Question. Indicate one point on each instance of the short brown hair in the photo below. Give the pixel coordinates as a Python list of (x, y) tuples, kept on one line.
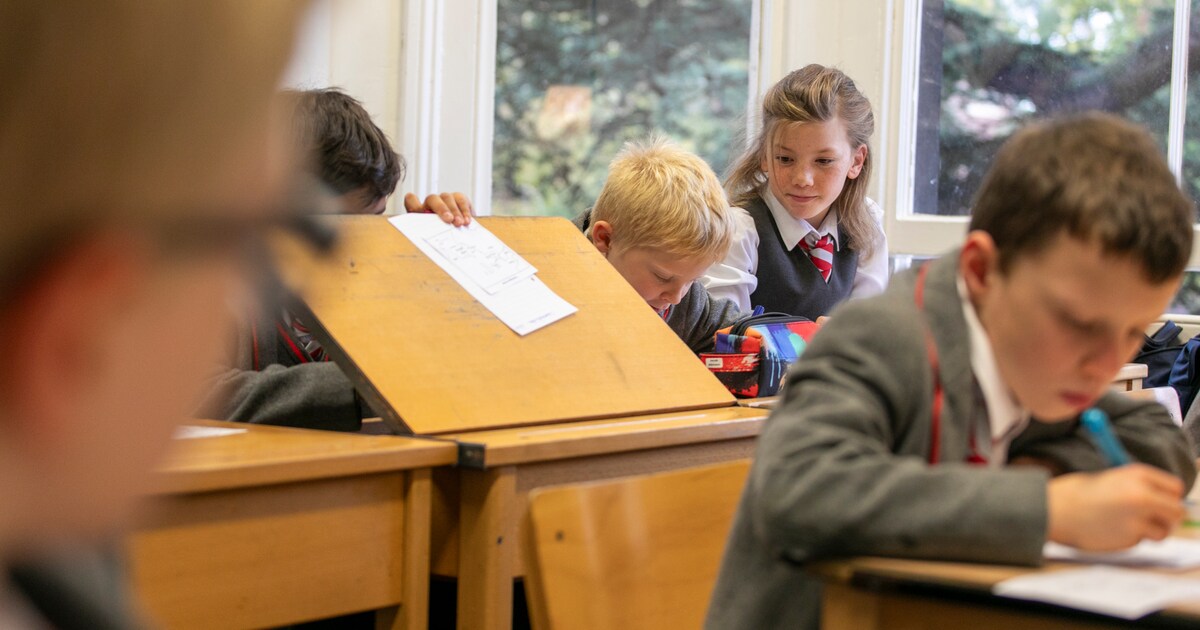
[(1095, 177), (348, 151)]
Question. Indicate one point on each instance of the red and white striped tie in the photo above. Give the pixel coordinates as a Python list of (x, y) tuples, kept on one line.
[(820, 252)]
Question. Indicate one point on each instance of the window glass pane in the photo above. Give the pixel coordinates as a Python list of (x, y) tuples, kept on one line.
[(1191, 128), (989, 65), (575, 79), (1188, 298)]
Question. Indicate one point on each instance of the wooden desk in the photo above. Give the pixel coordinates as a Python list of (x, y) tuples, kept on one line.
[(879, 593), (277, 526), (480, 506), (606, 392), (1130, 377)]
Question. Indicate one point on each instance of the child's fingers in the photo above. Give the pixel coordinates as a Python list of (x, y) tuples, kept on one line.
[(457, 207), (413, 204), (447, 208), (1160, 480), (465, 205)]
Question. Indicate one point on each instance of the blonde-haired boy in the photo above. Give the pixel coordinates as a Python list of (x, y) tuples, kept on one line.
[(661, 220)]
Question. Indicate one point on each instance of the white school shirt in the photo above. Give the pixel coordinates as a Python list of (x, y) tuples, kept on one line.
[(734, 277), (1005, 417)]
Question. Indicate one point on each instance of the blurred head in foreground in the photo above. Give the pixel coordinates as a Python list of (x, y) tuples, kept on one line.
[(135, 157)]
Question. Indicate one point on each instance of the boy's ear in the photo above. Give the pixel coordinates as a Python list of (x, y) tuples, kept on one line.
[(55, 329), (857, 161), (602, 234), (977, 262)]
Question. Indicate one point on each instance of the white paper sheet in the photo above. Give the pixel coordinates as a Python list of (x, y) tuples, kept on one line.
[(188, 432), (477, 252), (489, 270), (1123, 593), (1172, 552)]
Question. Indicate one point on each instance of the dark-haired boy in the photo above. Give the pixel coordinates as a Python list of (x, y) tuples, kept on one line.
[(278, 372), (1078, 240)]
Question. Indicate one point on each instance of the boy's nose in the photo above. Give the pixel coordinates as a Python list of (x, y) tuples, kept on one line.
[(1104, 360), (674, 295)]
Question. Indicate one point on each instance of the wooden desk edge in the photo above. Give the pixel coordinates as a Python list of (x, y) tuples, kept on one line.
[(482, 455), (883, 573), (184, 480)]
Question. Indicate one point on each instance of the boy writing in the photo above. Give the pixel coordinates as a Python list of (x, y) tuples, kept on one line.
[(661, 220), (904, 425)]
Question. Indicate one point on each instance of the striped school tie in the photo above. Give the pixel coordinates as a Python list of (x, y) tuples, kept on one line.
[(306, 338), (820, 252)]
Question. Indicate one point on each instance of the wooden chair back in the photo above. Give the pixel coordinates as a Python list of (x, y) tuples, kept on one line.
[(641, 552)]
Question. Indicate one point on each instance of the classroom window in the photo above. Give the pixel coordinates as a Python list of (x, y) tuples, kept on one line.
[(576, 79), (987, 66)]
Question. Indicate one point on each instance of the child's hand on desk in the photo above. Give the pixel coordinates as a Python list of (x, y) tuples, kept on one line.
[(453, 208), (1114, 509)]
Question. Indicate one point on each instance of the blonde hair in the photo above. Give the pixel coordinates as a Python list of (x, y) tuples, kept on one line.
[(659, 196), (120, 110), (814, 93)]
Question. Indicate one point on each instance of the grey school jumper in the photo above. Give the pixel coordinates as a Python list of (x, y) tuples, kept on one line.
[(840, 467), (698, 316), (263, 382), (788, 282)]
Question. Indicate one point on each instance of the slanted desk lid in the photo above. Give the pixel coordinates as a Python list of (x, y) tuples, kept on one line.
[(433, 360)]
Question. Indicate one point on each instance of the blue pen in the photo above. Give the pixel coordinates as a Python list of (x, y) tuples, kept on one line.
[(758, 310), (1097, 425)]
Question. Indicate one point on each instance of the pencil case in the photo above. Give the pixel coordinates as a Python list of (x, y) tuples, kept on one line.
[(751, 357)]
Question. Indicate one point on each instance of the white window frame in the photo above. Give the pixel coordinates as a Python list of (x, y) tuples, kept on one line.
[(426, 72), (448, 97), (925, 235)]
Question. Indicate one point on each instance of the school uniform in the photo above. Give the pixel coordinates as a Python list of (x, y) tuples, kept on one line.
[(769, 266), (697, 317), (849, 464), (277, 375), (76, 590)]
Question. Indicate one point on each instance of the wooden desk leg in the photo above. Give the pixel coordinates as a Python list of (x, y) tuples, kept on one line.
[(847, 608), (487, 548), (413, 611)]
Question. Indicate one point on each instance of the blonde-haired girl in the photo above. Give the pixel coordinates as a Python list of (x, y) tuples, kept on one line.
[(809, 237)]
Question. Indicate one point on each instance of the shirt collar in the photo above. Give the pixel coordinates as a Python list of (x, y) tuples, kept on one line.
[(793, 230), (1005, 415)]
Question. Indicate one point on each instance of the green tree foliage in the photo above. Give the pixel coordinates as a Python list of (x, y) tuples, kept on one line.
[(1006, 61), (576, 79)]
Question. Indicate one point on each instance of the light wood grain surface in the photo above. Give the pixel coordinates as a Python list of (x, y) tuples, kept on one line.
[(265, 454), (408, 334), (482, 449), (892, 575), (638, 553), (276, 526)]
